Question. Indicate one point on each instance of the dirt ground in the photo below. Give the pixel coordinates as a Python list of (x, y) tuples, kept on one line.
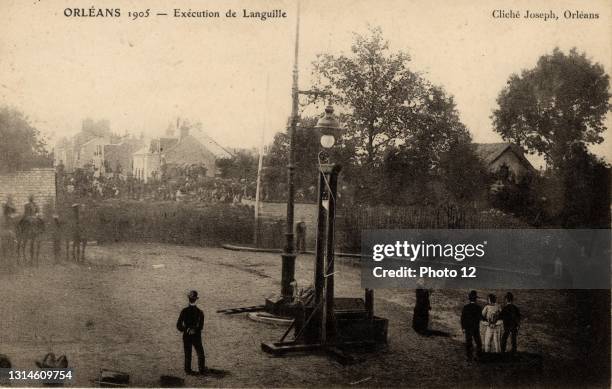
[(118, 311)]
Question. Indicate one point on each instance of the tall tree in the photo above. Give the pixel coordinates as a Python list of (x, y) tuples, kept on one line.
[(378, 93), (395, 119), (22, 145), (560, 102)]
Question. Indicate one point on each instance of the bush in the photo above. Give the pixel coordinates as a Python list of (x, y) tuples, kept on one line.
[(169, 222)]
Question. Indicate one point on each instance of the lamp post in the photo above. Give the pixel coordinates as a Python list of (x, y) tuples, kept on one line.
[(288, 256), (277, 305)]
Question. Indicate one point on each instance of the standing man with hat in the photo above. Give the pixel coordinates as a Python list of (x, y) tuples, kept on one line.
[(191, 323), (470, 324)]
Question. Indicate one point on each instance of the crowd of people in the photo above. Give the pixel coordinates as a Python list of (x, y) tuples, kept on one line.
[(83, 184)]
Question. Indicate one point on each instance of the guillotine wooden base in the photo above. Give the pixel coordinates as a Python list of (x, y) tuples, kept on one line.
[(280, 348), (336, 351)]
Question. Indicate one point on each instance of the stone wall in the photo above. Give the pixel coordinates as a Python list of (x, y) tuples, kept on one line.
[(21, 184)]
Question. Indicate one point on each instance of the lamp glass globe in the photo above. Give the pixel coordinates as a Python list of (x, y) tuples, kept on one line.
[(327, 141)]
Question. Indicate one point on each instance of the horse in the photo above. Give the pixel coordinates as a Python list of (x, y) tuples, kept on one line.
[(29, 229)]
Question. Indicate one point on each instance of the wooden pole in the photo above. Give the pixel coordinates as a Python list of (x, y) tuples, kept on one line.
[(330, 242), (324, 266), (319, 276), (259, 167)]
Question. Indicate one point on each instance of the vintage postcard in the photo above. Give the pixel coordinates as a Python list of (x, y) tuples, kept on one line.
[(305, 193)]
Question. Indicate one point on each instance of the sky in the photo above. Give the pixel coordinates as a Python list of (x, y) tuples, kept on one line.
[(234, 75)]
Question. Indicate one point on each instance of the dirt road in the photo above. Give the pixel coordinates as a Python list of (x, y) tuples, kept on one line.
[(119, 310)]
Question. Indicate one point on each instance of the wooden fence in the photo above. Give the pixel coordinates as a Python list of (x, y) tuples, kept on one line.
[(351, 222)]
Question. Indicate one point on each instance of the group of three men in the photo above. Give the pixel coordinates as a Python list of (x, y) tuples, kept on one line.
[(471, 316)]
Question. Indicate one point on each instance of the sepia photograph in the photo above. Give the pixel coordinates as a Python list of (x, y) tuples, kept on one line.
[(305, 193)]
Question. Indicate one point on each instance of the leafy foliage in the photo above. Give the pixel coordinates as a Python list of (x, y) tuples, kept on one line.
[(586, 191), (463, 174), (557, 109), (520, 198), (576, 197), (306, 161), (377, 91), (385, 103), (398, 125), (242, 165), (560, 102), (22, 146)]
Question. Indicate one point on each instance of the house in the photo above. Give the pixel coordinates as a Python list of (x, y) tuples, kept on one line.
[(67, 151), (147, 161), (63, 154), (188, 149), (145, 164), (502, 156), (195, 147), (91, 153), (118, 156), (85, 149)]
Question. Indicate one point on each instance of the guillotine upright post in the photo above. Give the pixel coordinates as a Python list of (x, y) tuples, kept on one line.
[(324, 265)]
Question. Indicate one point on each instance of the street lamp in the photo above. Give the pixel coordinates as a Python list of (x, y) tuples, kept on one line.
[(329, 126), (327, 141), (280, 305)]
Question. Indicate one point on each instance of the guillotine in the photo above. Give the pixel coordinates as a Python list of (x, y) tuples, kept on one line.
[(322, 321)]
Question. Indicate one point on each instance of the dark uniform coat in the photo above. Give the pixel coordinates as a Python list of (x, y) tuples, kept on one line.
[(470, 323), (191, 323)]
